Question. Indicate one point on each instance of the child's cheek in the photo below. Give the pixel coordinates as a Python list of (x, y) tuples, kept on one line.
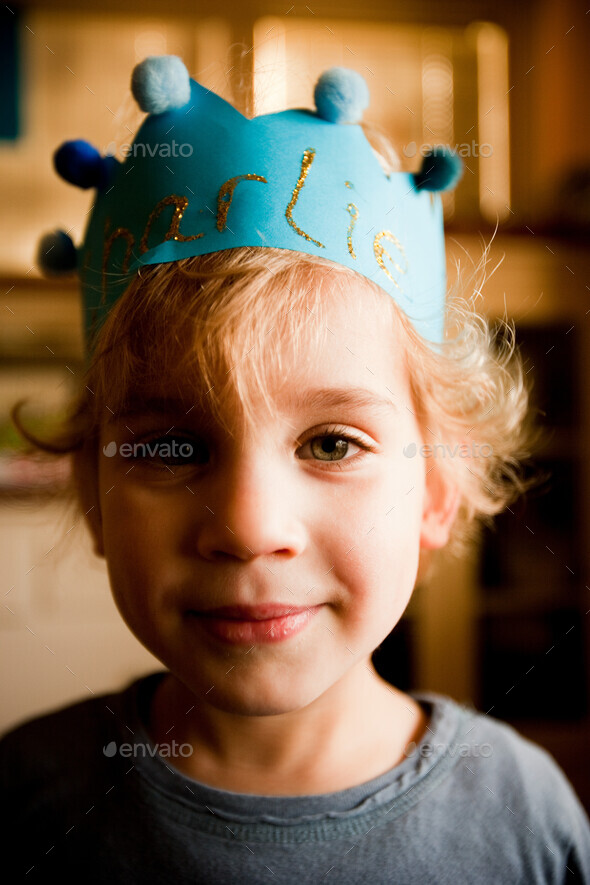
[(374, 544), (137, 539)]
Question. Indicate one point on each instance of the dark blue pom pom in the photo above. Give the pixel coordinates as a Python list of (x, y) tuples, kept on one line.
[(57, 254), (441, 170), (81, 164), (341, 95)]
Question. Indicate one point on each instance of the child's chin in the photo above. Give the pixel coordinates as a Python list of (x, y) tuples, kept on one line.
[(258, 698), (265, 703), (256, 708)]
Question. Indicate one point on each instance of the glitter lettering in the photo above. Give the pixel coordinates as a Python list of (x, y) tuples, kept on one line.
[(379, 251), (306, 162), (354, 214), (226, 195), (173, 233)]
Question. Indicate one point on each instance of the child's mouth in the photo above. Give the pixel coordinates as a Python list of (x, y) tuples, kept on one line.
[(249, 625)]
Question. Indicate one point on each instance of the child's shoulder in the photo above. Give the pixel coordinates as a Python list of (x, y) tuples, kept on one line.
[(69, 739), (486, 746), (500, 779), (486, 778), (60, 783)]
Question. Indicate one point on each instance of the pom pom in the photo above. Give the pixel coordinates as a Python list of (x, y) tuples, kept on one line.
[(341, 96), (81, 164), (160, 83), (56, 253), (441, 170)]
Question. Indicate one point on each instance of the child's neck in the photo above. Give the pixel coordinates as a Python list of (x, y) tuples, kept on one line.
[(356, 731)]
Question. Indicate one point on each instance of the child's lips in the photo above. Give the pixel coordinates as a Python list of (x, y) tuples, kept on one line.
[(255, 624)]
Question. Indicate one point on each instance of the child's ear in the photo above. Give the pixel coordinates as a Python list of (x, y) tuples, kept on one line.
[(441, 503)]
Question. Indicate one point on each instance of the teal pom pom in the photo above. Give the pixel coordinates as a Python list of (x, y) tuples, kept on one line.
[(81, 164), (341, 96), (441, 170), (57, 253), (161, 83)]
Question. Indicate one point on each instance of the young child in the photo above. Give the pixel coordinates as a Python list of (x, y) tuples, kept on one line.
[(266, 320)]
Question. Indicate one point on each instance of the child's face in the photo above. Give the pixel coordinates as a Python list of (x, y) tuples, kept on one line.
[(208, 556)]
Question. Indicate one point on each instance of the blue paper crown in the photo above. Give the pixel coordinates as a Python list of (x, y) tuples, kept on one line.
[(201, 178)]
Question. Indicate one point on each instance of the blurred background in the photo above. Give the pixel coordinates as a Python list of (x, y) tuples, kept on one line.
[(506, 84)]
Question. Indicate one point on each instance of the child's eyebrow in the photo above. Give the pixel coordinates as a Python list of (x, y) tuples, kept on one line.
[(314, 399), (341, 397), (138, 406)]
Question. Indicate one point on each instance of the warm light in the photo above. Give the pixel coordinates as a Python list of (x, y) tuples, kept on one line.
[(438, 95), (150, 42), (493, 122), (270, 66)]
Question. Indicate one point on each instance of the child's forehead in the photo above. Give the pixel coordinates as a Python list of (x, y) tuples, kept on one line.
[(289, 397), (340, 374), (345, 352)]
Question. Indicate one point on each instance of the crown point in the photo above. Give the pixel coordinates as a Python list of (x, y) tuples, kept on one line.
[(341, 95), (160, 83), (440, 171), (56, 253)]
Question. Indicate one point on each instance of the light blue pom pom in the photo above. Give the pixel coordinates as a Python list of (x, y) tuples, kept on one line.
[(341, 96), (160, 83)]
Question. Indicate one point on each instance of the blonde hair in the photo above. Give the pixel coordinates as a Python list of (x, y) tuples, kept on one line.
[(218, 316)]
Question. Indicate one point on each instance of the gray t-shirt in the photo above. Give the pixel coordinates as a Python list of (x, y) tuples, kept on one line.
[(89, 799)]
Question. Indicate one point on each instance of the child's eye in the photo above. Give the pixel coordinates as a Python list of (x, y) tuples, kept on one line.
[(334, 445), (169, 451)]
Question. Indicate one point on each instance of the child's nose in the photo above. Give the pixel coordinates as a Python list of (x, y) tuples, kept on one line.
[(252, 511)]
